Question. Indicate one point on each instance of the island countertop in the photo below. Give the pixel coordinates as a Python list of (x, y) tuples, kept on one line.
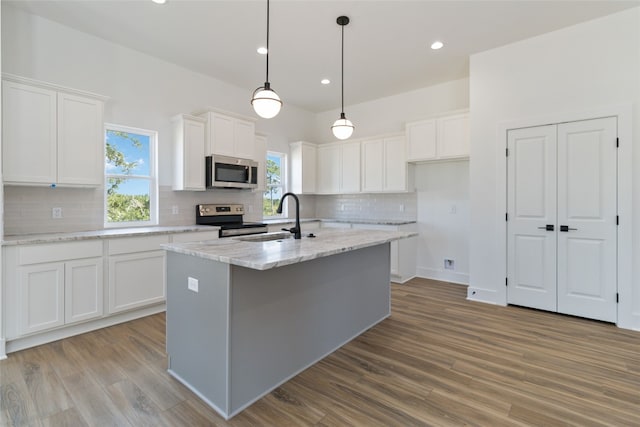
[(264, 255)]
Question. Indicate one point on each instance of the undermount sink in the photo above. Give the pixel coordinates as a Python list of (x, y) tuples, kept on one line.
[(267, 237)]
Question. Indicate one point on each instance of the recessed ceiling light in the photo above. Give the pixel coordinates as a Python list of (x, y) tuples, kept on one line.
[(325, 81), (262, 50), (437, 45), (159, 1)]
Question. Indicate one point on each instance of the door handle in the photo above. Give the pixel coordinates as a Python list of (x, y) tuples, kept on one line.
[(566, 228), (548, 227)]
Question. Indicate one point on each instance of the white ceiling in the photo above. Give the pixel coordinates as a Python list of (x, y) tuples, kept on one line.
[(386, 44)]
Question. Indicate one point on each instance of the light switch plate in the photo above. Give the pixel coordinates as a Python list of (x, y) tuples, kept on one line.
[(192, 284)]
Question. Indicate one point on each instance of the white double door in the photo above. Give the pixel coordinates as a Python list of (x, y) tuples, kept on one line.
[(562, 223)]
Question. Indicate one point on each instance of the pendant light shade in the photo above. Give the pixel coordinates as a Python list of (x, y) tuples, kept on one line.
[(265, 101), (342, 128)]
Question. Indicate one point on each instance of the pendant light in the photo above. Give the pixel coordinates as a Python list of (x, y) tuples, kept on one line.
[(342, 128), (265, 101)]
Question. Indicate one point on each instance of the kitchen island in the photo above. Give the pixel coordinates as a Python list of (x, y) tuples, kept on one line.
[(244, 316)]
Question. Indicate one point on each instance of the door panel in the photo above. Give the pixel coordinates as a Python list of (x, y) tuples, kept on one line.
[(587, 281), (531, 248)]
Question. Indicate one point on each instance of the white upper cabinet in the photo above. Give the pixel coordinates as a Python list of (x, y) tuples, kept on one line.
[(304, 159), (188, 152), (329, 169), (421, 140), (230, 136), (440, 138), (384, 167), (338, 168), (51, 135)]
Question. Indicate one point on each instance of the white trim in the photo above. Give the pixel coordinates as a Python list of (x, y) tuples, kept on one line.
[(152, 178), (443, 275), (626, 317), (3, 349), (284, 159), (52, 86)]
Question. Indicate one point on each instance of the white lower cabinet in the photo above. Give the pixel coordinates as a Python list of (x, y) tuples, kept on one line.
[(41, 297), (137, 274), (403, 252), (52, 285), (56, 290), (83, 284)]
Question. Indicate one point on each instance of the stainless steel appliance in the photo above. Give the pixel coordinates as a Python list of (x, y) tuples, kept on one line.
[(229, 219), (230, 172)]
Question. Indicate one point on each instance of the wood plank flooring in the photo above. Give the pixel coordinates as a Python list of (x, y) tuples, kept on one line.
[(439, 360)]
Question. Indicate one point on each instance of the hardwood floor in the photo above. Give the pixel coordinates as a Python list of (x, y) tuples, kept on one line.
[(439, 360)]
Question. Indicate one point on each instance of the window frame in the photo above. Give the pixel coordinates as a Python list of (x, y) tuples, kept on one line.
[(152, 178), (283, 183)]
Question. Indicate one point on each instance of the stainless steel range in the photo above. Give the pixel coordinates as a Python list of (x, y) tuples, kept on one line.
[(229, 219)]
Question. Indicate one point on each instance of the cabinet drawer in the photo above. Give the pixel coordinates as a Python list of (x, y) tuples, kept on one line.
[(128, 245), (58, 252)]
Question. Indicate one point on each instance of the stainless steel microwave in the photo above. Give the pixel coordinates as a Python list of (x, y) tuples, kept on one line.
[(230, 172)]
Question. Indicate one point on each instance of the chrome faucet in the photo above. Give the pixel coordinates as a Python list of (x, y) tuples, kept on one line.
[(297, 233)]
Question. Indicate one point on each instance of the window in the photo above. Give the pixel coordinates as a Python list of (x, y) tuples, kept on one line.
[(276, 179), (130, 177)]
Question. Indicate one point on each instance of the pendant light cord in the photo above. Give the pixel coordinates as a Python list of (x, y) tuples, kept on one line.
[(267, 78), (342, 73)]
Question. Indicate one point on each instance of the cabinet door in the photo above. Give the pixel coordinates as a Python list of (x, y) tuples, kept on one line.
[(395, 164), (192, 153), (221, 135), (244, 139), (28, 134), (329, 169), (372, 165), (303, 168), (83, 289), (421, 140), (350, 168), (453, 136), (136, 280), (41, 297), (80, 140)]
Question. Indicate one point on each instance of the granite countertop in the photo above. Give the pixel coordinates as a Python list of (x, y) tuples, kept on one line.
[(101, 234), (347, 221), (264, 255)]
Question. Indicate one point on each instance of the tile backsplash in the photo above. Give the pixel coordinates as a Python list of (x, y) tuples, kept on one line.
[(399, 206), (28, 210)]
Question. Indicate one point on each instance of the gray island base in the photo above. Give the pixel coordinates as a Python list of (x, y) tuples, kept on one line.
[(246, 330)]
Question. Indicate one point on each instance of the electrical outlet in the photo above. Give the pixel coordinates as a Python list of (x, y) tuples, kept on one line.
[(449, 264), (56, 213), (453, 209), (174, 209), (342, 206), (401, 207), (192, 284)]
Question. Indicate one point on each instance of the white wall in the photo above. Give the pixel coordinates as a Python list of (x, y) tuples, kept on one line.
[(386, 115), (585, 67), (443, 220), (144, 91)]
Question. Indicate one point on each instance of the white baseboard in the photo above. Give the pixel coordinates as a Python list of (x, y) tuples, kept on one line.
[(80, 328), (444, 275), (3, 349), (482, 295)]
